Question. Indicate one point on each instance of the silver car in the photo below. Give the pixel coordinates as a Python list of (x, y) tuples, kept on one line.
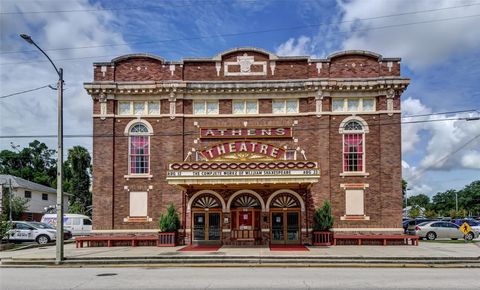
[(442, 229)]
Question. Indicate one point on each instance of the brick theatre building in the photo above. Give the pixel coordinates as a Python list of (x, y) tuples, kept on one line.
[(247, 144)]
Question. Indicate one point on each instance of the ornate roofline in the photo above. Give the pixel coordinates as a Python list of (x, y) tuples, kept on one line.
[(136, 55)]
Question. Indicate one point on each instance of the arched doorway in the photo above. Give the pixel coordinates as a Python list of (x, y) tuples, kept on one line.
[(285, 219), (206, 219), (246, 213)]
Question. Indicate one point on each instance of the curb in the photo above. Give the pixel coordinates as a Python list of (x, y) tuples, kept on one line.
[(208, 261)]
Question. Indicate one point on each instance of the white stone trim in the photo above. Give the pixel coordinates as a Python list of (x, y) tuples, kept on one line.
[(250, 116), (354, 118), (237, 193), (198, 193), (126, 132), (272, 196)]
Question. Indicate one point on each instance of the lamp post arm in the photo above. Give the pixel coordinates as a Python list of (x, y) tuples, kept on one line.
[(49, 59)]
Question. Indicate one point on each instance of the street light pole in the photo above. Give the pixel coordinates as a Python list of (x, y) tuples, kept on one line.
[(456, 202), (59, 238)]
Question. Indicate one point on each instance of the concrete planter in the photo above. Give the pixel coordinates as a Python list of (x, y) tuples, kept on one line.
[(322, 238), (167, 239)]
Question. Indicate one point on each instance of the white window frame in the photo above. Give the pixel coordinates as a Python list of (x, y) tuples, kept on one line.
[(244, 102), (205, 102), (134, 209), (285, 106), (360, 105), (146, 110), (364, 153), (129, 160)]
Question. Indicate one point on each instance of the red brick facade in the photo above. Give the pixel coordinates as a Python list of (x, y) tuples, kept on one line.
[(174, 138)]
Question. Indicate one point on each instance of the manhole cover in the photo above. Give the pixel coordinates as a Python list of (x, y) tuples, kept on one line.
[(106, 274)]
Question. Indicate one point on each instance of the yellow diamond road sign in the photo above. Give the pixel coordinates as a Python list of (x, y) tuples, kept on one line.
[(465, 228)]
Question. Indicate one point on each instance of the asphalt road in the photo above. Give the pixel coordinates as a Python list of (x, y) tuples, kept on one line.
[(238, 278)]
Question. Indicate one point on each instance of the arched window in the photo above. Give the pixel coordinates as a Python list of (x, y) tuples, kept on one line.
[(353, 147), (139, 153)]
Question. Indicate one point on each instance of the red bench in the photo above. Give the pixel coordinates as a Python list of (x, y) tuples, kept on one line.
[(134, 240), (406, 239)]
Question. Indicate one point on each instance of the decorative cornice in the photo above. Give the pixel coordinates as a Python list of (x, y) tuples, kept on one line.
[(222, 87)]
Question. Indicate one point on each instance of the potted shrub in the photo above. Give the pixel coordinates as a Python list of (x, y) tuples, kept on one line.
[(323, 222), (169, 223)]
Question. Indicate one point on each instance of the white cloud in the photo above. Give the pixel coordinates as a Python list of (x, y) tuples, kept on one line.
[(471, 159), (35, 113), (410, 132), (450, 144), (419, 45), (415, 184), (295, 47)]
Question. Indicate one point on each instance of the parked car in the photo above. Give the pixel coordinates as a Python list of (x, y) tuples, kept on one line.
[(66, 233), (25, 232), (474, 224), (76, 223), (441, 229), (414, 222)]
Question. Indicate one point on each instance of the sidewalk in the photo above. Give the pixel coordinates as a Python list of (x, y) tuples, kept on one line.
[(425, 253)]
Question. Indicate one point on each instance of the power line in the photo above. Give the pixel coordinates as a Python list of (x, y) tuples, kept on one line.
[(258, 31), (423, 171), (22, 92), (188, 133), (255, 32), (151, 7), (163, 7), (442, 113)]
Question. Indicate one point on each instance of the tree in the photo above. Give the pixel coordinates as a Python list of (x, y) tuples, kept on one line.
[(77, 179), (404, 189), (431, 214), (414, 212), (35, 163), (469, 198), (443, 202), (5, 226), (323, 219), (420, 200), (169, 222), (18, 207)]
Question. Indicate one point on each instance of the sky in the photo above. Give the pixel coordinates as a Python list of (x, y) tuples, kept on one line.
[(438, 41)]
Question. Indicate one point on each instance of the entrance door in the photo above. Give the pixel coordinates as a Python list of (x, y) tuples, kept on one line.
[(206, 226), (285, 227)]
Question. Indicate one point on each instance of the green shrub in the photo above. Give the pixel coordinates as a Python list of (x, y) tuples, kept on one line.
[(169, 222), (5, 226), (323, 219)]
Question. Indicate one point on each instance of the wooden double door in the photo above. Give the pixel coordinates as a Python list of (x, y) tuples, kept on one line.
[(285, 227)]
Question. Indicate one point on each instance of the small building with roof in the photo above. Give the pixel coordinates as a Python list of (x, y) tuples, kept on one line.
[(40, 197)]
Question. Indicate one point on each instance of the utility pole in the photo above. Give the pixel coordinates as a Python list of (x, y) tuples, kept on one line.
[(59, 238), (10, 193), (456, 202)]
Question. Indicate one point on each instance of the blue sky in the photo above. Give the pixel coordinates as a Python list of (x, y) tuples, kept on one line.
[(438, 41)]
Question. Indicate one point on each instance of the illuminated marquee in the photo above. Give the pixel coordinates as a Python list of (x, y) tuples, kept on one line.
[(243, 147), (276, 132)]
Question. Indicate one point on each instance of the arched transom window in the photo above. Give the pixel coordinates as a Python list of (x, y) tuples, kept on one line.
[(139, 152), (353, 147)]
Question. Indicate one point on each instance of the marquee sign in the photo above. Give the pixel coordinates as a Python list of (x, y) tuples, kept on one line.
[(243, 147), (222, 172), (220, 133)]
